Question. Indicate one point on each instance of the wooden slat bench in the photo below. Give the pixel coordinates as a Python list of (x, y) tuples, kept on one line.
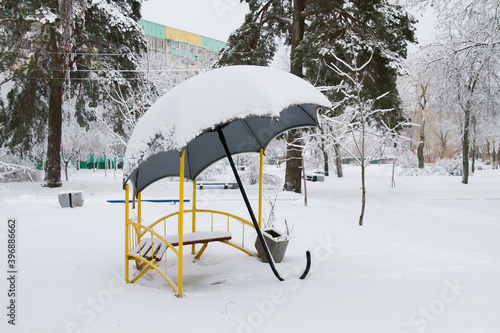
[(145, 250)]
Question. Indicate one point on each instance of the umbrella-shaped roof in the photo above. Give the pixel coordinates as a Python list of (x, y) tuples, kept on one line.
[(254, 104)]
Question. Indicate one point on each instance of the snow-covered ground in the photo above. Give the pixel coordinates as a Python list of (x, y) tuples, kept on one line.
[(426, 260)]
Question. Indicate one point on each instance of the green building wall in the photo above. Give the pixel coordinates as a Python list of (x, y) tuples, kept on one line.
[(212, 45), (153, 29)]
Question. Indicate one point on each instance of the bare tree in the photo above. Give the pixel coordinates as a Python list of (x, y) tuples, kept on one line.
[(361, 111), (468, 62)]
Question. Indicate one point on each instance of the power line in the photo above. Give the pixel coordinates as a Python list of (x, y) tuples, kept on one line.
[(124, 70), (88, 79)]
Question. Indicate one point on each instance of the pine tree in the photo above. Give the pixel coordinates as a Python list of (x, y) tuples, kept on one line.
[(76, 51), (315, 28)]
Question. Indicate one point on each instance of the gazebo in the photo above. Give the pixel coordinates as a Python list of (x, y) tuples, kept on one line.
[(211, 116)]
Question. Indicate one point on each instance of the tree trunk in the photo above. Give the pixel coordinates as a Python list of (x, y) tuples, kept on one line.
[(420, 154), (305, 186), (473, 159), (421, 145), (362, 158), (298, 26), (66, 163), (322, 146), (363, 193), (53, 175), (465, 147), (474, 144), (325, 160), (338, 160), (55, 134), (362, 149), (294, 155), (494, 159), (498, 158), (466, 134), (293, 162), (443, 143)]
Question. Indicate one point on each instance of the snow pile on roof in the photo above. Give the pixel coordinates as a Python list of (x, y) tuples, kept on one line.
[(216, 97)]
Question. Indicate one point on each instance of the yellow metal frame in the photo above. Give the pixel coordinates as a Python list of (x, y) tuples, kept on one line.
[(181, 225), (193, 224), (135, 231), (151, 263)]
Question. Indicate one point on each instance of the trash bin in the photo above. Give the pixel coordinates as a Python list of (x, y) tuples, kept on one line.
[(315, 178), (276, 242), (318, 178), (71, 199)]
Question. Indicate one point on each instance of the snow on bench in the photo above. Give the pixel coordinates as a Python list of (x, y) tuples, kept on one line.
[(199, 237), (225, 185), (172, 201)]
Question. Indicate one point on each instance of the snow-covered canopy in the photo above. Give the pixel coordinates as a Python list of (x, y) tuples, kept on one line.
[(269, 101)]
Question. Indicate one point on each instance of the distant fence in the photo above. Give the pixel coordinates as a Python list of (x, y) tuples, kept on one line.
[(99, 162), (351, 160), (92, 162)]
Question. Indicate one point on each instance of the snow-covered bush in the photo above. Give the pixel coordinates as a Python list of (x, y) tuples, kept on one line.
[(480, 165), (270, 179), (407, 160), (252, 169), (250, 176), (452, 166), (447, 167)]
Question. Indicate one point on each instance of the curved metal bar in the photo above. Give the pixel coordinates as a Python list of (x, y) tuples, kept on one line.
[(154, 233), (242, 220), (150, 264), (238, 247)]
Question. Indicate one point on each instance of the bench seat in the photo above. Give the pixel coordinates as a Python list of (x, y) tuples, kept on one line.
[(145, 250), (224, 184)]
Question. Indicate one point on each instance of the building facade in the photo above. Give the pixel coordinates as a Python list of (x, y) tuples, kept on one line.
[(198, 49)]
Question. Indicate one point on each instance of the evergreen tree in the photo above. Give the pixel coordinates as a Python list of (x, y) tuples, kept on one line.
[(314, 29), (379, 31), (76, 51)]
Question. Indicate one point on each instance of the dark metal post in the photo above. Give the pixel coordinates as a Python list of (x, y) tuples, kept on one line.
[(249, 207)]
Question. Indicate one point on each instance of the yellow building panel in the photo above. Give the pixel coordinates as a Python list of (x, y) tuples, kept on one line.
[(182, 36)]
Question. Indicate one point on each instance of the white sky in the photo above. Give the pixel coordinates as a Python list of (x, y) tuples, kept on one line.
[(426, 28), (218, 18)]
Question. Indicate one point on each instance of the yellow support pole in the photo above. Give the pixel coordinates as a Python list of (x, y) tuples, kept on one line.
[(193, 227), (181, 223), (261, 167), (139, 216), (139, 208), (126, 231)]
